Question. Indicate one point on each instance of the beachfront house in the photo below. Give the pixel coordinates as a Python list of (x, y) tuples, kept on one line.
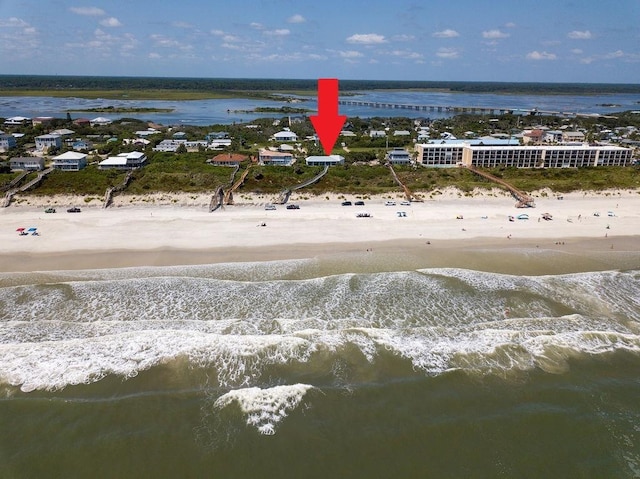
[(277, 158), (328, 160), (26, 163), (7, 142), (70, 161), (398, 156), (227, 159), (377, 134), (45, 142), (124, 161)]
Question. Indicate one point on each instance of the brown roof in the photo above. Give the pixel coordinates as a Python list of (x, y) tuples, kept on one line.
[(229, 158)]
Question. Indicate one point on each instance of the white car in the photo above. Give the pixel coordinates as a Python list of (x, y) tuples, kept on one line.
[(270, 207), (390, 203), (405, 203)]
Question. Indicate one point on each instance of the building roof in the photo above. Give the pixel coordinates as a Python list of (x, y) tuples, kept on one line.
[(63, 132), (325, 158), (70, 155), (228, 158), (278, 154), (114, 161)]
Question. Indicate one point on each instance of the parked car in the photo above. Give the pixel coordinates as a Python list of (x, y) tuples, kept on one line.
[(50, 210), (389, 203), (405, 203), (346, 203), (293, 207), (359, 203), (75, 209), (270, 207)]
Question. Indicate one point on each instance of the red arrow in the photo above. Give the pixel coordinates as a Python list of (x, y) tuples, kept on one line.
[(327, 122)]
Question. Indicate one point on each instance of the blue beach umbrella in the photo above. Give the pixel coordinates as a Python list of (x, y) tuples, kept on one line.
[(33, 228)]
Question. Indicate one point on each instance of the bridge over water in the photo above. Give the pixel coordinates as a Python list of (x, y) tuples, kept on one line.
[(481, 110)]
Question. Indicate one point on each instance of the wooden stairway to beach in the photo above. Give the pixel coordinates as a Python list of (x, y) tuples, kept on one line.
[(108, 196), (407, 192), (286, 194), (228, 195), (524, 200), (12, 192)]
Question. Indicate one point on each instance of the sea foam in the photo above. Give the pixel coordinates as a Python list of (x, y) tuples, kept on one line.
[(264, 409)]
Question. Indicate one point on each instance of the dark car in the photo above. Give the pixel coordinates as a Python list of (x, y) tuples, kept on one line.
[(50, 210), (75, 209), (346, 203), (359, 203), (293, 207)]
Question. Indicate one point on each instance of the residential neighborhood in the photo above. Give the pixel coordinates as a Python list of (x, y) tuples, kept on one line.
[(70, 146)]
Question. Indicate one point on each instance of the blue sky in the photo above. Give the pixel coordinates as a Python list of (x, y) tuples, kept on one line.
[(457, 40)]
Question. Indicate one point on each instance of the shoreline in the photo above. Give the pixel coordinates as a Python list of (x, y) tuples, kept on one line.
[(600, 231), (522, 256)]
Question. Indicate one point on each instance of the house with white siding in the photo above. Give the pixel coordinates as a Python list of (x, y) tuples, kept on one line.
[(278, 158), (124, 161), (44, 142), (285, 135), (398, 156), (70, 161), (328, 160)]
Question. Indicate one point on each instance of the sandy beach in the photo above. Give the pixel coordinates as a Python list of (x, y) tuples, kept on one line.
[(178, 229)]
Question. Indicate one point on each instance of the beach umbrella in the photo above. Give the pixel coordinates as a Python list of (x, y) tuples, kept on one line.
[(20, 229), (33, 228)]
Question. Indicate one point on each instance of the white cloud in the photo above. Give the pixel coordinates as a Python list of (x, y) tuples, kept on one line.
[(88, 11), (256, 25), (154, 55), (407, 54), (536, 55), (577, 51), (367, 39), (14, 22), (281, 32), (616, 54), (578, 35), (111, 22), (297, 18), (166, 42), (217, 33), (448, 33), (449, 53), (495, 34), (350, 54), (510, 25)]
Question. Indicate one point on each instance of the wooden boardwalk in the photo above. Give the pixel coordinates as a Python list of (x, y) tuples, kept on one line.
[(524, 200)]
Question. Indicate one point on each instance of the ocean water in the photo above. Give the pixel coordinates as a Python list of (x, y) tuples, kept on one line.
[(240, 110), (301, 369)]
